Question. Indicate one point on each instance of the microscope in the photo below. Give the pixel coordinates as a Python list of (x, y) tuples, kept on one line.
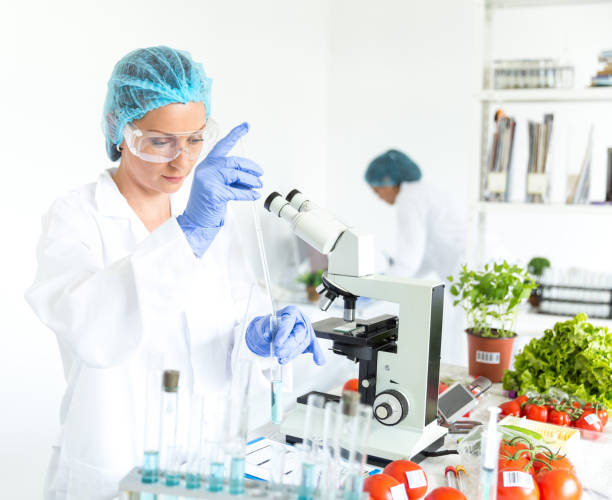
[(399, 357)]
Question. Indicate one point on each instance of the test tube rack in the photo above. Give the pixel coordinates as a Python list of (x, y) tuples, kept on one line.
[(569, 300), (131, 487)]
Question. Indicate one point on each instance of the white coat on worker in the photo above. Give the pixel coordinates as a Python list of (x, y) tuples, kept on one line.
[(431, 243), (114, 293)]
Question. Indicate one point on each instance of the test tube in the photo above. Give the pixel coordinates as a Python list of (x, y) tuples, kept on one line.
[(311, 436), (460, 475), (489, 456), (169, 420), (324, 457), (361, 416), (277, 467), (196, 443), (215, 441), (238, 420), (276, 373), (150, 463)]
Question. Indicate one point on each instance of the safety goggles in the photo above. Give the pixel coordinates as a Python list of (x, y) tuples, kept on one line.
[(161, 148)]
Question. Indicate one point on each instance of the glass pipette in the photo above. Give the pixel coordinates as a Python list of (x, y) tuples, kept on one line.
[(276, 375)]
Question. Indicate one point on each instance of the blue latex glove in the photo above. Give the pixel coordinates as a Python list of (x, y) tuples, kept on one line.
[(217, 180), (294, 336)]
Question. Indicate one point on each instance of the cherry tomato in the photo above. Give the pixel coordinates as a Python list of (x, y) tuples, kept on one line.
[(558, 417), (536, 412), (525, 487), (559, 484), (510, 447), (510, 408), (520, 460), (379, 486), (411, 474), (589, 425), (351, 385), (553, 460), (445, 493), (521, 400), (601, 411)]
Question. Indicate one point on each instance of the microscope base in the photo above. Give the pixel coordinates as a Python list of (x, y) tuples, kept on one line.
[(385, 444)]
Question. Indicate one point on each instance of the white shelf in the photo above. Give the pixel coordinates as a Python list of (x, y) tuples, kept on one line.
[(501, 4), (543, 208), (547, 95)]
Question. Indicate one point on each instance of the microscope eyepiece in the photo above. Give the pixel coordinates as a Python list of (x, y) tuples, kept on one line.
[(291, 194), (271, 197)]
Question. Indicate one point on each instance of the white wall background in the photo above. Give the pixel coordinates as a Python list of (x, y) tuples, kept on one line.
[(326, 86)]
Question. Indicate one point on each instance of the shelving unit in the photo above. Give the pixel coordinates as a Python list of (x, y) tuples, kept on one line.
[(595, 94), (544, 208), (488, 99)]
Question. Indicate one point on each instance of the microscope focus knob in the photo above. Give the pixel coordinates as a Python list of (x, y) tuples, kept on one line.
[(390, 407)]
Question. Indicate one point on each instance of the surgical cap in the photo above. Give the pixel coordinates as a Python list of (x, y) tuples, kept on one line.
[(147, 79), (392, 168)]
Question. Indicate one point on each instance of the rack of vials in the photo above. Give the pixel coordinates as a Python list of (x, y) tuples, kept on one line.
[(331, 458), (574, 291)]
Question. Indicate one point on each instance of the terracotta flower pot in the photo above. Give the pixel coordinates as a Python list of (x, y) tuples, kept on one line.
[(489, 356), (313, 296)]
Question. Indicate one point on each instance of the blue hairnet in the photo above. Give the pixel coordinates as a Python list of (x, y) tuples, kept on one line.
[(147, 79), (392, 168)]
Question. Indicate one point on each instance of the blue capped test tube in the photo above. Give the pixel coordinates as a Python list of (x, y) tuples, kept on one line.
[(150, 463)]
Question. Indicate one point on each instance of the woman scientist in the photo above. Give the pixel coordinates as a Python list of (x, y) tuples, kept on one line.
[(431, 234), (125, 270)]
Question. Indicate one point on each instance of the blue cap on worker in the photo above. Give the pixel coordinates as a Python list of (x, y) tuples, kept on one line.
[(147, 79), (391, 169)]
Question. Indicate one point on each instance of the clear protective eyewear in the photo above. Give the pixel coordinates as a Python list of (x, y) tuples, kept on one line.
[(158, 147)]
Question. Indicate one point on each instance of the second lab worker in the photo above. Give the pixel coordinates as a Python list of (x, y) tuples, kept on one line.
[(431, 235), (128, 267)]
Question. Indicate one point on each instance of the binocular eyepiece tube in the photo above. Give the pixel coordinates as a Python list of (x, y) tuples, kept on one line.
[(309, 222)]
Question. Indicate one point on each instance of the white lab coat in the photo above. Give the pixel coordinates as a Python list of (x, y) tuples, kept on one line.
[(113, 293), (431, 244)]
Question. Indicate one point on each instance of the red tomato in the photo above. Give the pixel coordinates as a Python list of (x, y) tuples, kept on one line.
[(589, 425), (521, 460), (379, 486), (510, 408), (559, 484), (521, 400), (558, 417), (601, 411), (536, 412), (554, 460), (351, 385), (411, 474), (515, 484), (442, 387), (510, 447), (445, 493)]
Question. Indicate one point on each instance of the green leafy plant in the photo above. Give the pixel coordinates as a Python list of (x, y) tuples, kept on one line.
[(537, 265), (491, 297), (574, 356), (312, 278)]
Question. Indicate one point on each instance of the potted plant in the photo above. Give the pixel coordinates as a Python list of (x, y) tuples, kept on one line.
[(491, 299), (536, 267), (312, 280)]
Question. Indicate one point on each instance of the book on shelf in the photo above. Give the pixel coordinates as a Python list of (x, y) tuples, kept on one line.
[(603, 78), (500, 158), (539, 136), (580, 185)]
